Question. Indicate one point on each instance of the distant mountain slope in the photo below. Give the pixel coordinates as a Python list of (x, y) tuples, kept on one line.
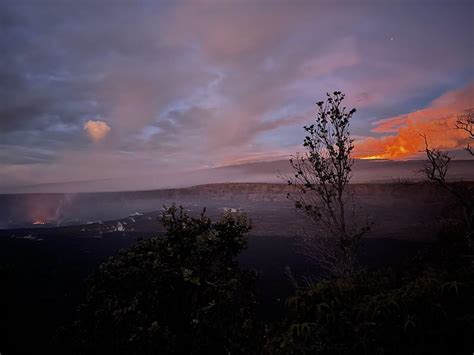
[(365, 171)]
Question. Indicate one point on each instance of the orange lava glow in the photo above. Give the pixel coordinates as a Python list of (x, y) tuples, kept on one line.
[(372, 157), (39, 222), (390, 152), (404, 134), (408, 141)]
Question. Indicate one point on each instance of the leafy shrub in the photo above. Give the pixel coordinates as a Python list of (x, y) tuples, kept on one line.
[(382, 313), (182, 293)]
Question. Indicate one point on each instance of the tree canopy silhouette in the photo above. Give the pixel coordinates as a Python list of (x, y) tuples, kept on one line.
[(182, 293), (320, 180)]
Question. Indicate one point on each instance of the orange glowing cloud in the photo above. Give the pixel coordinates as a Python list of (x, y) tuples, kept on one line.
[(96, 130), (437, 122)]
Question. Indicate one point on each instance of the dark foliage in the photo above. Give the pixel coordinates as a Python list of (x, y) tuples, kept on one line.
[(183, 294), (425, 308)]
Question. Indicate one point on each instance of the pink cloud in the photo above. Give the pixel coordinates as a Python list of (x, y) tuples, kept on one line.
[(97, 130)]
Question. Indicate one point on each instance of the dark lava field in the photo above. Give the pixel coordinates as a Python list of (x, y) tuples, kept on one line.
[(49, 243)]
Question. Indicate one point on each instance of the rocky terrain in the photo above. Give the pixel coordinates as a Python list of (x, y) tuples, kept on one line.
[(413, 211)]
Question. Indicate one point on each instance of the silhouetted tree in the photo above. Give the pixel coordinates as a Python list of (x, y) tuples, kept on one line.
[(436, 169), (437, 166), (465, 122), (320, 180), (182, 293)]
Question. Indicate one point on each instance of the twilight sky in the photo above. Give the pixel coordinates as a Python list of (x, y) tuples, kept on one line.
[(114, 89)]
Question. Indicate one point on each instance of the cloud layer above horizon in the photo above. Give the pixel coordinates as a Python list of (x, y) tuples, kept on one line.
[(94, 90)]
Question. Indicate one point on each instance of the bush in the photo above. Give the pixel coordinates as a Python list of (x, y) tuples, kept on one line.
[(182, 293), (382, 313)]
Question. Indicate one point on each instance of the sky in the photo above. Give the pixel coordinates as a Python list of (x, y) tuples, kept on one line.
[(117, 89)]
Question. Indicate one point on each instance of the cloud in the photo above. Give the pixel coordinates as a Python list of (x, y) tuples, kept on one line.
[(203, 83), (97, 130), (437, 122)]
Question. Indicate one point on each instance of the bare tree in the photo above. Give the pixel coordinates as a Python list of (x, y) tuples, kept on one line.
[(437, 166), (320, 181), (465, 122), (436, 169)]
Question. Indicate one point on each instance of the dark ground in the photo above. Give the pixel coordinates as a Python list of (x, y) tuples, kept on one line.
[(43, 282), (44, 268)]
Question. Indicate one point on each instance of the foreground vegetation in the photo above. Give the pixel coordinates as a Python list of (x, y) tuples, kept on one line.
[(427, 307), (185, 293), (180, 294)]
